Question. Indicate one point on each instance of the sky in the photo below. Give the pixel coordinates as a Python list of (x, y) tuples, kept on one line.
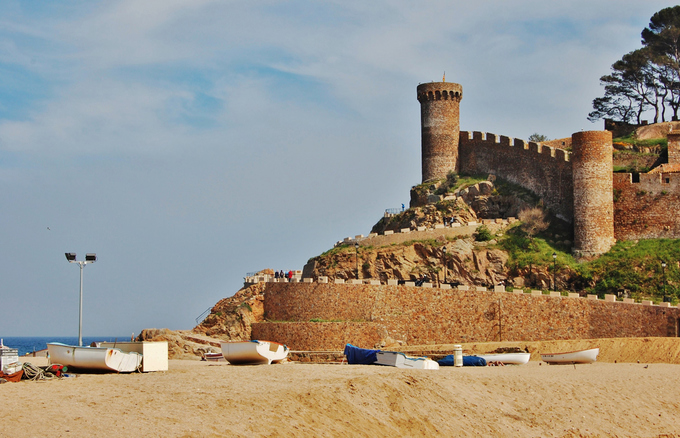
[(190, 142)]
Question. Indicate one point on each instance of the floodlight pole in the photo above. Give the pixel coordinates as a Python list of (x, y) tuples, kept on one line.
[(90, 258), (80, 313)]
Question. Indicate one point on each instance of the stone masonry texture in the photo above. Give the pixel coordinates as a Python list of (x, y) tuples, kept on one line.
[(648, 209), (544, 170), (368, 315), (440, 127), (673, 148), (593, 192)]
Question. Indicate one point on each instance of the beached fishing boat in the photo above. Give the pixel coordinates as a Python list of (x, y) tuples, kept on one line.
[(506, 358), (213, 357), (581, 356), (360, 356), (93, 358), (400, 360), (253, 352), (154, 354)]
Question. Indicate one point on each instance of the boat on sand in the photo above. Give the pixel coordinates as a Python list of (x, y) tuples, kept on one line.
[(253, 352), (400, 360), (213, 357), (581, 356), (506, 358), (93, 358)]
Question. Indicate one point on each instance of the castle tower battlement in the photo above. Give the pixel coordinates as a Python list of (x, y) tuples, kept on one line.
[(593, 193), (440, 128)]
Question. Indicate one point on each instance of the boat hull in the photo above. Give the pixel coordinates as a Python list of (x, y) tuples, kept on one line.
[(253, 352), (94, 358), (400, 360), (506, 358), (582, 356)]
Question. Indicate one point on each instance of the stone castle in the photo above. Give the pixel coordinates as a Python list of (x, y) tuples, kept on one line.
[(578, 186), (316, 313)]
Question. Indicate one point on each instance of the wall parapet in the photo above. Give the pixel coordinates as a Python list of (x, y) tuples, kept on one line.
[(545, 170), (417, 316), (502, 140)]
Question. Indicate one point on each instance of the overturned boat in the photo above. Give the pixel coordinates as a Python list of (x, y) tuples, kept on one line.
[(581, 356), (93, 358), (506, 358), (254, 352), (400, 360), (364, 356)]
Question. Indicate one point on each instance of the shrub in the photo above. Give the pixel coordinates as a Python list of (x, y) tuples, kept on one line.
[(483, 234)]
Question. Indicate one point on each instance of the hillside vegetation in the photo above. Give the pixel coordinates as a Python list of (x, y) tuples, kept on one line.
[(500, 255)]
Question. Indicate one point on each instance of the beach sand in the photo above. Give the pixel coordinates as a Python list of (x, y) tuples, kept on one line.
[(202, 399)]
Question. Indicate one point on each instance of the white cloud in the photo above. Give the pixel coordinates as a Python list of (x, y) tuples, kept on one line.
[(191, 141)]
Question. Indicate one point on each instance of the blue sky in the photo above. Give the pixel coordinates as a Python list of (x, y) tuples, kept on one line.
[(189, 142)]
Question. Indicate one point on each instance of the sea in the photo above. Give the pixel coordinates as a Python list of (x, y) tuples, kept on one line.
[(26, 344)]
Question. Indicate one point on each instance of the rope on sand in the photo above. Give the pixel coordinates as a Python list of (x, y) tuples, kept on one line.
[(32, 372)]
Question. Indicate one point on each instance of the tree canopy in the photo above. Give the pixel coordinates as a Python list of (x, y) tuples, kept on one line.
[(646, 78)]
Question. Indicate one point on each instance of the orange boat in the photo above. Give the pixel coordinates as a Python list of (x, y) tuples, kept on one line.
[(14, 377)]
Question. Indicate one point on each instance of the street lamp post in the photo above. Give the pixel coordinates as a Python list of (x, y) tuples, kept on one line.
[(89, 258), (444, 251), (663, 269), (554, 271), (356, 250)]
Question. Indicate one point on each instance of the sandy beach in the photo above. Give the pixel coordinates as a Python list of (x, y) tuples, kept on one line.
[(202, 399)]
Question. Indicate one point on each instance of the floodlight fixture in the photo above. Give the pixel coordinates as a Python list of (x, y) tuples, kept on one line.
[(89, 258)]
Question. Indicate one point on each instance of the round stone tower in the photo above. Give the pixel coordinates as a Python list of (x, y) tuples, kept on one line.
[(593, 193), (440, 128)]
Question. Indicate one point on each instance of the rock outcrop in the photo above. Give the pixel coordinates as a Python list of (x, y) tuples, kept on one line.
[(230, 319), (464, 262), (182, 344)]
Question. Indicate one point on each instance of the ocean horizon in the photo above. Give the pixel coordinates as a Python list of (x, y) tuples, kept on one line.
[(29, 344)]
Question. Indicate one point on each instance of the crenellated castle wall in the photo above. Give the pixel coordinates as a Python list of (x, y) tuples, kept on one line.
[(366, 315), (547, 171), (648, 209)]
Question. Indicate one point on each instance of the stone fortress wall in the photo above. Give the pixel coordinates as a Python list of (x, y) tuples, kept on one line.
[(648, 209), (544, 170), (370, 315), (578, 187)]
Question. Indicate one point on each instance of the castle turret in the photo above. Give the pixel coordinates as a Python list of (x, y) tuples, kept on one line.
[(593, 192), (440, 128)]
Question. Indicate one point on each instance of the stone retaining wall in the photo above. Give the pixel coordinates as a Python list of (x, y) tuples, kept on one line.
[(370, 315)]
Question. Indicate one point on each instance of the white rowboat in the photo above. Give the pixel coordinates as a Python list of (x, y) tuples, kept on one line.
[(582, 356), (506, 358), (400, 360), (253, 352), (93, 358)]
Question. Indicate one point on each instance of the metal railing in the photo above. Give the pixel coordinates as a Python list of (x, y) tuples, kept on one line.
[(204, 315), (393, 210)]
